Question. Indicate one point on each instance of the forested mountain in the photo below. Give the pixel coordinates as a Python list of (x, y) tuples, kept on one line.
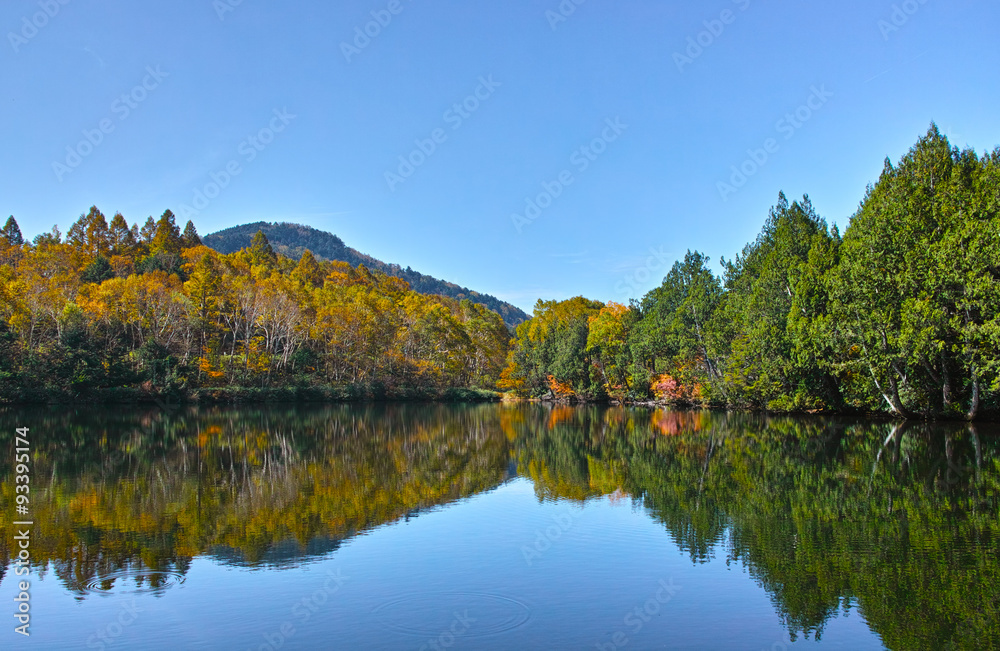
[(292, 240)]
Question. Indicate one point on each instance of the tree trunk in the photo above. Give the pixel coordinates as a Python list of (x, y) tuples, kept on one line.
[(946, 392), (974, 407), (891, 398)]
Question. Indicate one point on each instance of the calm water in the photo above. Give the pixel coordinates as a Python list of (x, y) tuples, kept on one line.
[(502, 527)]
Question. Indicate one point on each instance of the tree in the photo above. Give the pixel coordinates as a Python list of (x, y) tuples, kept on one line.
[(308, 271), (45, 240), (98, 271), (675, 331), (554, 343), (89, 234), (10, 234), (148, 231), (261, 252), (167, 238), (919, 263), (120, 236), (190, 237), (762, 367), (607, 344)]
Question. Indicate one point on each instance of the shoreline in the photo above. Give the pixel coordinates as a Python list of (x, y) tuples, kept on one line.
[(986, 416), (251, 395), (360, 394)]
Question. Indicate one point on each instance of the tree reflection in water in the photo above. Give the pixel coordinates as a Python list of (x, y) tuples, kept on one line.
[(896, 520)]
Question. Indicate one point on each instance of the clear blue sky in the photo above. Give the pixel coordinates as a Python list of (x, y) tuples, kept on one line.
[(883, 71)]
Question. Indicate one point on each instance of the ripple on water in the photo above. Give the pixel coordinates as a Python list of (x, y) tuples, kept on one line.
[(431, 614), (133, 582)]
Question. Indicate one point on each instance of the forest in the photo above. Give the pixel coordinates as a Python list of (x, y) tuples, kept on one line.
[(124, 312), (897, 315)]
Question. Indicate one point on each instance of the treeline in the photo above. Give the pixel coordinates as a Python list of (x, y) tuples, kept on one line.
[(152, 310), (897, 315)]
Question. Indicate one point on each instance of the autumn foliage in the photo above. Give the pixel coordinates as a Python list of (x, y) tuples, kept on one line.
[(117, 306)]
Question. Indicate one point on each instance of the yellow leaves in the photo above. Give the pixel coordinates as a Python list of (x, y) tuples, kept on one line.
[(192, 256), (341, 274), (348, 325), (509, 380)]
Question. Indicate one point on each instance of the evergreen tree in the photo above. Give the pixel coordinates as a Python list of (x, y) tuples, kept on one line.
[(98, 271), (261, 252), (167, 238), (761, 282), (189, 238), (11, 233)]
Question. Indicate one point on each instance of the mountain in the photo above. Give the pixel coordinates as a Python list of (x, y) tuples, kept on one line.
[(292, 240)]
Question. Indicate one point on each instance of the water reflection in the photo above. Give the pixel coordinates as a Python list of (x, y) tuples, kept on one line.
[(897, 521)]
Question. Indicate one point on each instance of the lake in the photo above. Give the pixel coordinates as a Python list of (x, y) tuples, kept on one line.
[(500, 527)]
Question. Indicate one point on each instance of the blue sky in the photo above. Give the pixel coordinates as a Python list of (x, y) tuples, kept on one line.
[(621, 119)]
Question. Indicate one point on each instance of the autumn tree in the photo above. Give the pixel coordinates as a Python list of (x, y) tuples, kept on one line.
[(607, 344), (89, 235)]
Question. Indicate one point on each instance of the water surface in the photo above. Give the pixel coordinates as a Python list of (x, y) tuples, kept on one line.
[(502, 527)]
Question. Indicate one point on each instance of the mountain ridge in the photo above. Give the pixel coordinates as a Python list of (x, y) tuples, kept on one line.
[(292, 240)]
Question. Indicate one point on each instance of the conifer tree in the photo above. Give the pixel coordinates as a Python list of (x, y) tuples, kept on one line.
[(261, 252), (190, 236), (11, 233)]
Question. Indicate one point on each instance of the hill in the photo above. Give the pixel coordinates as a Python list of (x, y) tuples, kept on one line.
[(292, 240)]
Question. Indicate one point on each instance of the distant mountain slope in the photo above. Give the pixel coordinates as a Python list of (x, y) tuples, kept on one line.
[(292, 240)]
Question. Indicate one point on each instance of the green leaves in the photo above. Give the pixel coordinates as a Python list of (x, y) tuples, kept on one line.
[(917, 280)]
